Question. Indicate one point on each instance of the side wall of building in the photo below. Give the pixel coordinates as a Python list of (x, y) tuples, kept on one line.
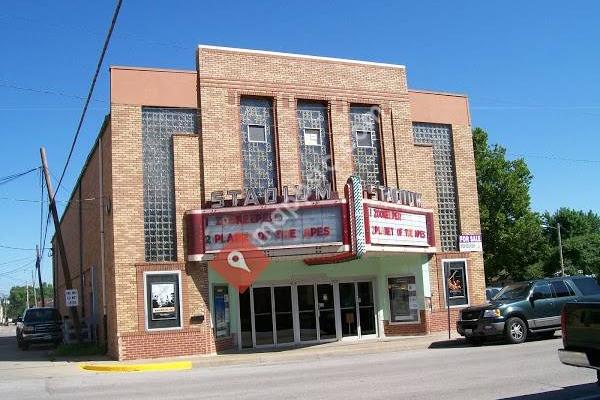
[(82, 235)]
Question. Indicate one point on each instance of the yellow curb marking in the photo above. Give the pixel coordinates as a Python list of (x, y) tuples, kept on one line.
[(169, 366)]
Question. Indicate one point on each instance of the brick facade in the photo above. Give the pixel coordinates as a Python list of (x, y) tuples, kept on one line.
[(209, 160)]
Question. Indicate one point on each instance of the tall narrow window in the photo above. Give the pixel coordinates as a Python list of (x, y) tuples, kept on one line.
[(366, 144), (313, 136), (158, 126), (258, 143), (440, 137)]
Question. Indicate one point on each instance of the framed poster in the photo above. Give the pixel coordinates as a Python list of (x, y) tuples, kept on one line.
[(455, 282), (402, 292), (163, 303), (221, 306)]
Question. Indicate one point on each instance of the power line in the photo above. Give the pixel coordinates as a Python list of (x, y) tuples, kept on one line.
[(12, 177), (556, 158), (7, 84), (21, 267), (14, 261), (90, 92), (15, 248)]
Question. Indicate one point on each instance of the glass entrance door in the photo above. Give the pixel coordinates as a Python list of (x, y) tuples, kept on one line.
[(284, 319), (263, 316), (366, 309), (348, 309), (357, 309), (307, 314), (326, 311)]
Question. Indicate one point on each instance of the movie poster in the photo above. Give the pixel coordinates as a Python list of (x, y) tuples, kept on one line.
[(163, 301)]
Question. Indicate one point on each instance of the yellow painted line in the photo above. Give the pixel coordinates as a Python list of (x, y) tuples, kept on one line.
[(168, 366)]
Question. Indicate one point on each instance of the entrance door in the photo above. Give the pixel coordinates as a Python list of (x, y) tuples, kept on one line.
[(307, 314), (357, 309), (326, 311), (348, 309), (263, 316), (284, 319), (366, 309)]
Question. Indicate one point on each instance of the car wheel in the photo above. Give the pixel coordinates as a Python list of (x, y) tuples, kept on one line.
[(25, 346), (515, 330)]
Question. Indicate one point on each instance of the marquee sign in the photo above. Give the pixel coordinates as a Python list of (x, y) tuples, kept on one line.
[(312, 222), (301, 228), (394, 226)]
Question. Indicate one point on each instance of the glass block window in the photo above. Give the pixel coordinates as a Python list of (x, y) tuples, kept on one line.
[(366, 144), (258, 143), (313, 136), (158, 126), (440, 137)]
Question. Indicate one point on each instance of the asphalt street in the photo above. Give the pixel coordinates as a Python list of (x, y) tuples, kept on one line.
[(447, 370)]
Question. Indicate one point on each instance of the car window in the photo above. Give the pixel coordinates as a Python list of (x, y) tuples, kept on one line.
[(543, 289), (513, 291), (41, 315), (587, 286), (560, 289)]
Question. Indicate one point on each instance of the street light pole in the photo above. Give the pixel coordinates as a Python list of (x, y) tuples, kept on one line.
[(562, 263)]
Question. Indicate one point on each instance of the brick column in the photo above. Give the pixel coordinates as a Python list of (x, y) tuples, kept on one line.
[(289, 150), (127, 210), (342, 145)]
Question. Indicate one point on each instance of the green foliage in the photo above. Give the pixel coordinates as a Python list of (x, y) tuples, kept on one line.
[(18, 299), (572, 222), (581, 255), (513, 239)]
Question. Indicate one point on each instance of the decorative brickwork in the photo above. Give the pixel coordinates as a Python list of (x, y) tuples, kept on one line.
[(212, 160)]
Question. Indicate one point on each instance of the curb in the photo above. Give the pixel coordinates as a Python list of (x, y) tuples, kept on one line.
[(168, 366)]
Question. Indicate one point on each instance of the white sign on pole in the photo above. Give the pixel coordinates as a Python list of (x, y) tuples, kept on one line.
[(71, 298), (470, 243)]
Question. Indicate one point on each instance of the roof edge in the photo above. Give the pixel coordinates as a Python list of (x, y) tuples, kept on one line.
[(438, 93), (179, 71), (293, 55)]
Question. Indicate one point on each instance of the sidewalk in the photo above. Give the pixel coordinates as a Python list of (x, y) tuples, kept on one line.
[(311, 352)]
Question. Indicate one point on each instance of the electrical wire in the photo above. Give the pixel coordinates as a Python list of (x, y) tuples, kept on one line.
[(24, 266), (89, 96), (12, 177), (2, 246)]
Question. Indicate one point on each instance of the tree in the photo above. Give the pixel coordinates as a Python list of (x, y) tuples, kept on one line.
[(18, 299), (572, 223), (513, 238), (581, 256)]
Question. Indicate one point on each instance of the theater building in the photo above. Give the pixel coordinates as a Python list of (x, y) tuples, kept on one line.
[(359, 193)]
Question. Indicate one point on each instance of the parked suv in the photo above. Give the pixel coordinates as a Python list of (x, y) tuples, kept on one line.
[(522, 308), (39, 325)]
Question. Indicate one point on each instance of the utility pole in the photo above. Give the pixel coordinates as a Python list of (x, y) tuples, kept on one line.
[(38, 266), (27, 293), (61, 244), (562, 262), (33, 286)]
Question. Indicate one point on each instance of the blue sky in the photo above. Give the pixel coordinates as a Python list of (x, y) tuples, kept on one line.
[(530, 70)]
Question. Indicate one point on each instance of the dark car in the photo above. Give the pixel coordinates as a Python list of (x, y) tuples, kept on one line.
[(581, 334), (39, 325), (522, 308)]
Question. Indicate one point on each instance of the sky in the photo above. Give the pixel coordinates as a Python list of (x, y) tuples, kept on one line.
[(530, 70)]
